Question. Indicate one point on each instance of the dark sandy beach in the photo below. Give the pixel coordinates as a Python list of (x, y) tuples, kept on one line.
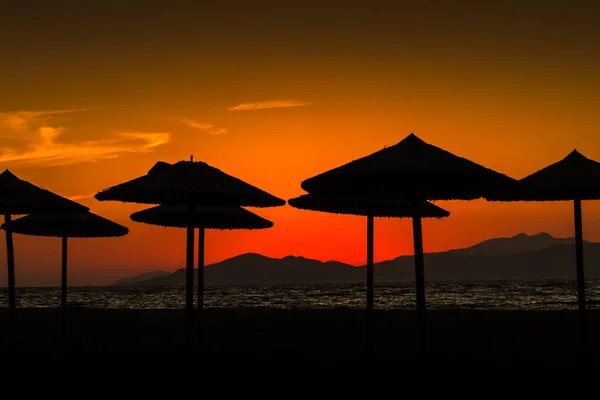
[(318, 337)]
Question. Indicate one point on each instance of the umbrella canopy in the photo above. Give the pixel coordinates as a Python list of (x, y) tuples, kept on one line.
[(192, 184), (370, 209), (18, 196), (416, 171), (76, 225), (365, 207), (202, 217), (573, 177), (65, 225), (224, 217), (410, 169), (189, 182)]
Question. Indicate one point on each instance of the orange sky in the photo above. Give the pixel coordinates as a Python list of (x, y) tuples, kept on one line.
[(94, 96)]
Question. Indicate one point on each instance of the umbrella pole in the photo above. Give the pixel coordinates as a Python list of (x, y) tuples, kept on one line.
[(189, 285), (201, 238), (583, 328), (201, 235), (10, 263), (63, 294), (189, 269), (370, 316), (370, 263), (420, 281), (579, 256)]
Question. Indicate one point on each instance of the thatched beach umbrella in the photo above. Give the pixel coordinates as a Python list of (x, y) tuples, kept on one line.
[(190, 184), (574, 178), (410, 170), (64, 226), (18, 197), (209, 217), (369, 209)]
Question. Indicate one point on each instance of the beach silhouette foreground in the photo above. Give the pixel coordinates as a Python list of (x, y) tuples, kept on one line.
[(322, 338)]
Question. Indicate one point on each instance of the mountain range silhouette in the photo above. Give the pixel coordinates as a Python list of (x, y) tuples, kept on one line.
[(523, 256)]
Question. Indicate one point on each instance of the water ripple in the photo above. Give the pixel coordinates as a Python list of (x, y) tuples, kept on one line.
[(504, 295)]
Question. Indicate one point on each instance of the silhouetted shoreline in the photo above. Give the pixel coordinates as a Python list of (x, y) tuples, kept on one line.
[(548, 294)]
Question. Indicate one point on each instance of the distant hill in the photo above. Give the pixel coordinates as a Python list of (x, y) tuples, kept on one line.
[(252, 268), (520, 243), (554, 262), (522, 256)]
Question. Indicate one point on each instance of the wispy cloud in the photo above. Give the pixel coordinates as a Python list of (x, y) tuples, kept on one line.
[(268, 104), (23, 120), (208, 128), (148, 140), (47, 152), (42, 147), (79, 197)]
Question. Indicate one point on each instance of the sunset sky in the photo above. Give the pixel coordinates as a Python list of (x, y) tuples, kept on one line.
[(94, 93)]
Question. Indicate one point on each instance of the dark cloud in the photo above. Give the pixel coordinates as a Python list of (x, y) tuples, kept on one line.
[(71, 52)]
